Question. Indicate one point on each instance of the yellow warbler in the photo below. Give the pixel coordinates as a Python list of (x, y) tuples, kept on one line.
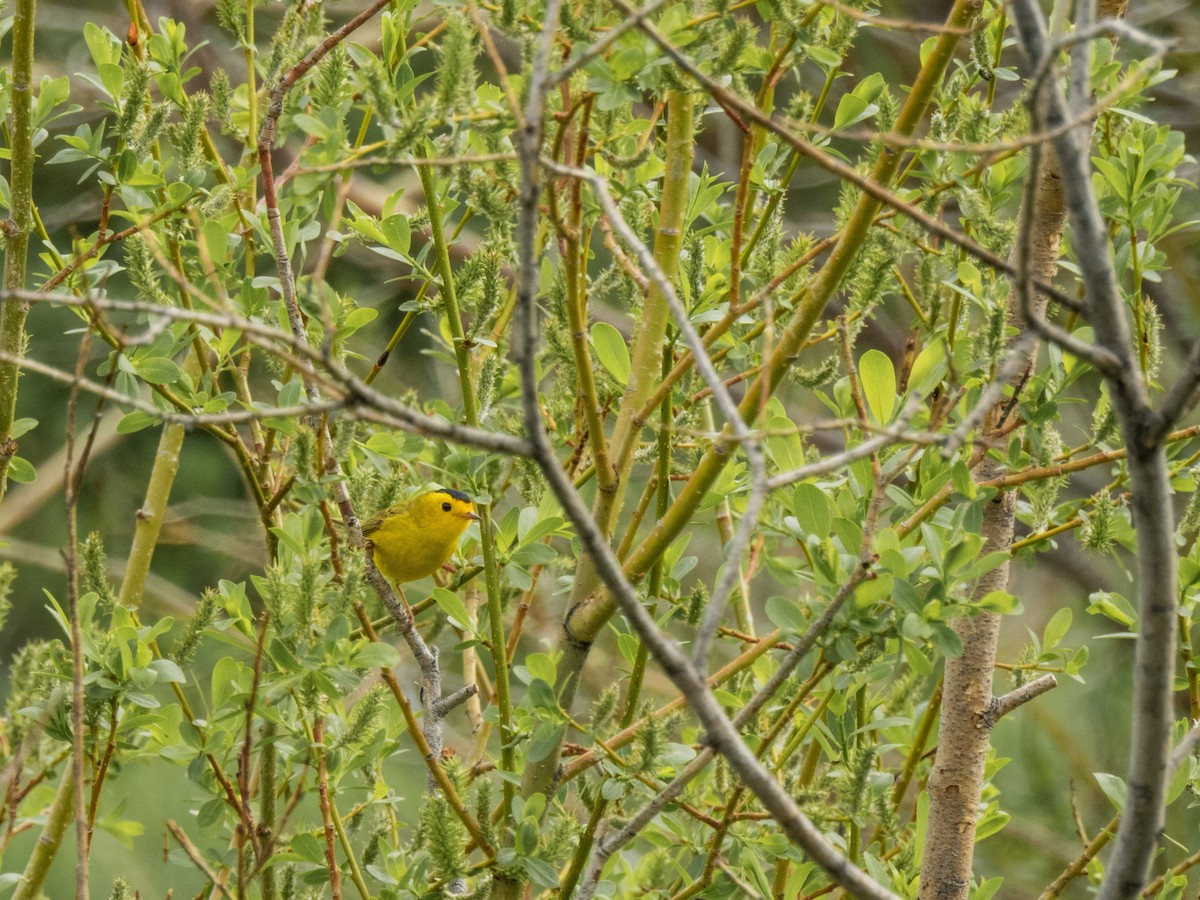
[(416, 537)]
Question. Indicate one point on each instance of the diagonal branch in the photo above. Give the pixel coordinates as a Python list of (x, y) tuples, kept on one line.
[(736, 548), (1001, 706), (1179, 400), (832, 164), (723, 736), (614, 842), (359, 397)]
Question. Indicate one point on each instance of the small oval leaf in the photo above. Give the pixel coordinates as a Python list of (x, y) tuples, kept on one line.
[(928, 370), (157, 370), (452, 606), (878, 378), (812, 510), (611, 351)]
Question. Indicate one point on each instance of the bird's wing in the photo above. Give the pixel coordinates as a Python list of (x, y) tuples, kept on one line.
[(373, 523)]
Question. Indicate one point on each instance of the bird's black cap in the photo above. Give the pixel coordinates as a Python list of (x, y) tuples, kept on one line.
[(457, 495)]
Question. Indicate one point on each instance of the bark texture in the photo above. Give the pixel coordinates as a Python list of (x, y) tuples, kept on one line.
[(956, 782)]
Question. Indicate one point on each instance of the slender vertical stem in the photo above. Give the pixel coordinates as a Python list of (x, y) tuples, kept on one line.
[(1139, 301), (644, 375), (266, 804), (470, 663), (318, 737), (33, 878), (917, 750), (351, 860), (110, 747), (248, 50), (575, 270), (1188, 658), (154, 507), (668, 240), (16, 228), (487, 537), (654, 585), (743, 614), (73, 471), (449, 292)]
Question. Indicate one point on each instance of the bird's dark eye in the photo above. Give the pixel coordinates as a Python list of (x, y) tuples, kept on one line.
[(446, 507)]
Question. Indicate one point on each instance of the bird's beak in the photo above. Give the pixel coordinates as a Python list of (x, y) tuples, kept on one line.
[(474, 517)]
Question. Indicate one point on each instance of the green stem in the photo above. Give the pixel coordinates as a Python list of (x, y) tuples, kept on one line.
[(583, 851), (266, 808), (344, 839), (251, 86), (16, 229), (409, 317), (445, 271), (154, 507), (756, 140), (644, 376), (636, 677), (668, 240), (854, 846), (486, 533), (491, 578), (44, 851), (654, 587), (575, 268), (316, 736), (793, 164), (1139, 301), (743, 614), (393, 342), (798, 736), (769, 211), (917, 750)]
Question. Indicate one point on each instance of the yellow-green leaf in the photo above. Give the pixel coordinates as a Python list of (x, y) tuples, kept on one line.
[(611, 351), (878, 378), (928, 370)]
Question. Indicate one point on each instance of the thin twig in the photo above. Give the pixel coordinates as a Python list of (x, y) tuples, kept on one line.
[(197, 858), (899, 24), (373, 405), (73, 478), (1001, 706), (335, 878), (594, 50), (872, 445), (437, 162)]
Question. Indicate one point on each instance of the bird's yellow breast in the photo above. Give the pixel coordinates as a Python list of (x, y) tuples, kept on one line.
[(415, 538)]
